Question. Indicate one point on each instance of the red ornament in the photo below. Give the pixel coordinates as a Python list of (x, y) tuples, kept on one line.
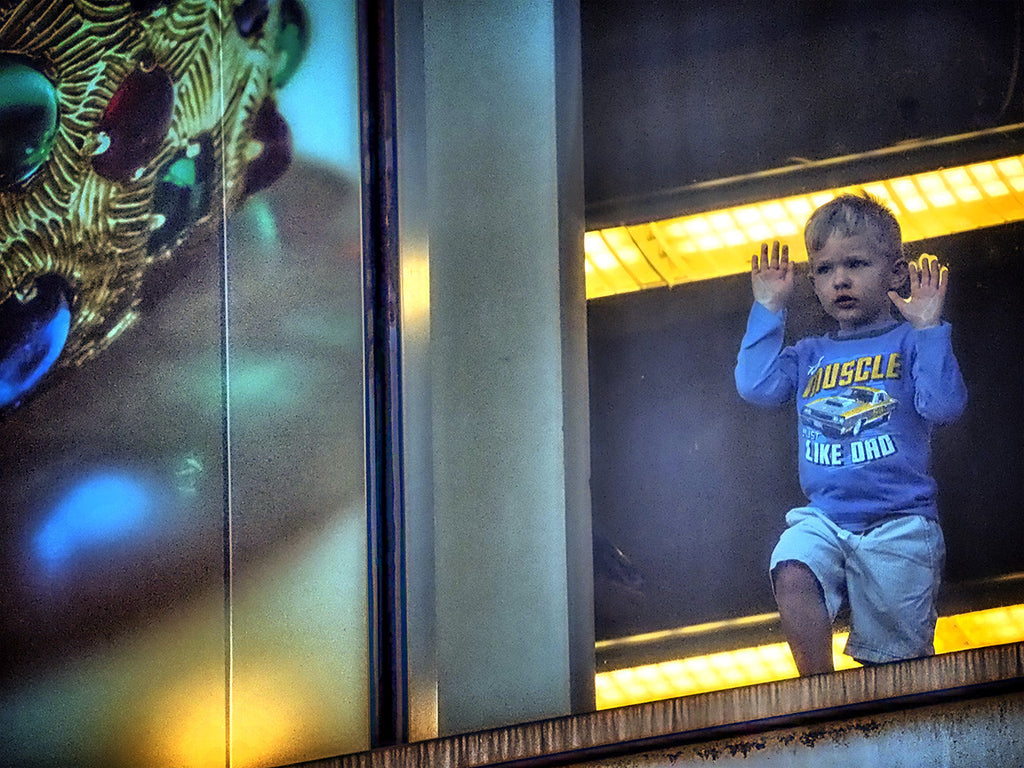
[(134, 124), (270, 129)]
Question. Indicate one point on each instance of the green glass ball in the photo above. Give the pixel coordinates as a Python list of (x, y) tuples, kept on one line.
[(291, 43), (28, 120)]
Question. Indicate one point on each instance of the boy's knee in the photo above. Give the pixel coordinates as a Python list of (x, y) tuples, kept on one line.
[(791, 577)]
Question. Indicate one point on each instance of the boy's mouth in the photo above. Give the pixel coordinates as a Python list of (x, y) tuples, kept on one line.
[(844, 301)]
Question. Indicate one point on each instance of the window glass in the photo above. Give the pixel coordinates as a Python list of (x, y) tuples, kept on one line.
[(691, 484), (181, 442)]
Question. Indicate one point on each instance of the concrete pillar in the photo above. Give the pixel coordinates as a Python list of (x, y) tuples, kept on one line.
[(494, 363)]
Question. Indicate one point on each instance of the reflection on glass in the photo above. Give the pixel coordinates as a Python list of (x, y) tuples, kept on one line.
[(177, 592), (100, 511)]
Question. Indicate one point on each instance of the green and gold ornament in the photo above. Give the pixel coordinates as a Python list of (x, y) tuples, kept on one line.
[(126, 128)]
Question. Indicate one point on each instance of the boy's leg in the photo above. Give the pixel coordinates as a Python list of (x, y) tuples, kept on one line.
[(805, 619), (808, 573), (894, 576)]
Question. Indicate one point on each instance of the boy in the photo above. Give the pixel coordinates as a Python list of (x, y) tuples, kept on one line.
[(866, 396)]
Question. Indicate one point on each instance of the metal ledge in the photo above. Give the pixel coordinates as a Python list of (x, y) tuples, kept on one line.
[(692, 719), (913, 156)]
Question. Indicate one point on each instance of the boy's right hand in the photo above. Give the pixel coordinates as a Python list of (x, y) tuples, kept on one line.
[(772, 277)]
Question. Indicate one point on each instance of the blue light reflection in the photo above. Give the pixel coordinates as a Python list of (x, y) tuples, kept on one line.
[(104, 508)]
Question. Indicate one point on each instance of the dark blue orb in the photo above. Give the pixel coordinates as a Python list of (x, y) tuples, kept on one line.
[(250, 16), (33, 330)]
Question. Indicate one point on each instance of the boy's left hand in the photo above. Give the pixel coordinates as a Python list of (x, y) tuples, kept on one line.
[(928, 281)]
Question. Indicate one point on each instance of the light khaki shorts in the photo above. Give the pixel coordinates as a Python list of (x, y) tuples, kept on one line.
[(889, 576)]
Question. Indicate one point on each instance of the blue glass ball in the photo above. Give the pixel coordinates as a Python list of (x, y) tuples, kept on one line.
[(251, 16), (33, 330)]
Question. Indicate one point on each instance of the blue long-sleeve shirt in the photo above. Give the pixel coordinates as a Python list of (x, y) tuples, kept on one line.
[(866, 405)]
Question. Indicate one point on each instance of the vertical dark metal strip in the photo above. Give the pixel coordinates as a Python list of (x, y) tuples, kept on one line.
[(388, 679)]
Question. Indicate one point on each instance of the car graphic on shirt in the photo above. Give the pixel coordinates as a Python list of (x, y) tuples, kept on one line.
[(849, 412)]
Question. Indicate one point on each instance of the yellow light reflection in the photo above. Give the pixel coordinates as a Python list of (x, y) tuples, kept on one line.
[(765, 663), (707, 245), (188, 726)]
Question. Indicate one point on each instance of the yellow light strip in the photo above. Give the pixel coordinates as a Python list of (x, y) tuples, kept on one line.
[(694, 630), (717, 243), (764, 663)]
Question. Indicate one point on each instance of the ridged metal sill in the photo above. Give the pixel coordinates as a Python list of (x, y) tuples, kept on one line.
[(704, 717)]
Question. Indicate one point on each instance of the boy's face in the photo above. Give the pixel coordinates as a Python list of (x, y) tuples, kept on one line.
[(852, 280)]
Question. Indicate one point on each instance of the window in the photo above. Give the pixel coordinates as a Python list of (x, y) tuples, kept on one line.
[(184, 535)]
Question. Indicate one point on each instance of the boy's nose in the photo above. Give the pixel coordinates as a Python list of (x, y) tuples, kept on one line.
[(840, 279)]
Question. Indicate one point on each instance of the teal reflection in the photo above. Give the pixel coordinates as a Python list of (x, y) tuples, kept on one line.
[(258, 384), (266, 382), (188, 474), (320, 101), (102, 509)]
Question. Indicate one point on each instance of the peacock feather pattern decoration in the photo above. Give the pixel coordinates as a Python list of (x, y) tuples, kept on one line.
[(126, 128)]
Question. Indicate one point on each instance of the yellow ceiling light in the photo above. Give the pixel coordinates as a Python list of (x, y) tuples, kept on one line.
[(765, 663), (709, 244)]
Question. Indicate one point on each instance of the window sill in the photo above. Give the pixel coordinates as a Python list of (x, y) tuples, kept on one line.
[(690, 719)]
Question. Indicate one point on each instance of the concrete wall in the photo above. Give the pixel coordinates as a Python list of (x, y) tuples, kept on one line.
[(983, 733)]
